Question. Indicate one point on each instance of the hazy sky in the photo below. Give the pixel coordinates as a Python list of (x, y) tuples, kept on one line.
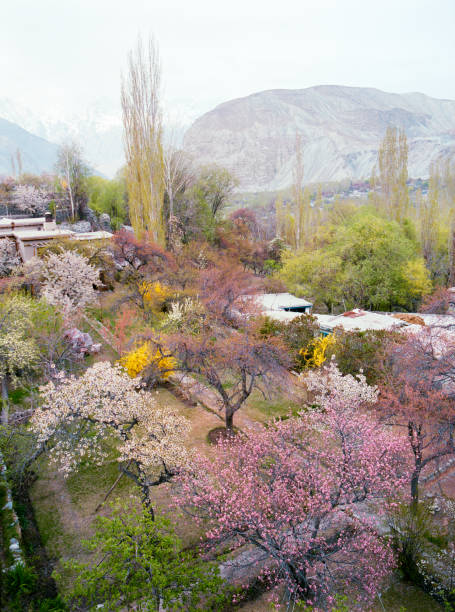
[(71, 52)]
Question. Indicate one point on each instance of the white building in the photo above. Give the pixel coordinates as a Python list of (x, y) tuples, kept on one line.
[(32, 233)]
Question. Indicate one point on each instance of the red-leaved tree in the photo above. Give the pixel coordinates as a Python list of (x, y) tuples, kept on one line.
[(139, 257), (221, 289), (420, 397)]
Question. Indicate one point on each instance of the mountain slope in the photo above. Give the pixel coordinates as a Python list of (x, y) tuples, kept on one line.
[(97, 126), (37, 154), (341, 129)]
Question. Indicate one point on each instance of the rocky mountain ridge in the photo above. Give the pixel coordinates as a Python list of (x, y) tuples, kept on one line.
[(341, 128)]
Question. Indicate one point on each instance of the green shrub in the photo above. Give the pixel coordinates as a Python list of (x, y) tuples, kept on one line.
[(356, 351), (296, 335), (410, 527), (20, 584)]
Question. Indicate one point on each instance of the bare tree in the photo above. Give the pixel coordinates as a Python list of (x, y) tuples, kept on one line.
[(73, 169), (177, 171)]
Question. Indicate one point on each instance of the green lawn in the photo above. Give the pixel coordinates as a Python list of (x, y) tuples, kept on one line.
[(263, 409)]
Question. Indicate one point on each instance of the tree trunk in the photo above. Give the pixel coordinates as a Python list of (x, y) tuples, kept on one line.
[(229, 420), (4, 402), (70, 190), (415, 487), (171, 202), (415, 437), (147, 501), (101, 504)]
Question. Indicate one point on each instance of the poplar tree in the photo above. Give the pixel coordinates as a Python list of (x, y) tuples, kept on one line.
[(297, 189), (290, 233), (451, 248), (73, 172), (279, 218), (393, 174), (307, 211), (142, 125), (429, 218)]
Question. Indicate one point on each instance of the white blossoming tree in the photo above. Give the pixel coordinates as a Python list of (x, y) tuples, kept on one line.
[(30, 199), (69, 280), (329, 385), (79, 415), (9, 258)]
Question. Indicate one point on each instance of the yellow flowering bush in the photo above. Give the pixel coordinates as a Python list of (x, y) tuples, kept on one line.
[(154, 294), (144, 356), (315, 354)]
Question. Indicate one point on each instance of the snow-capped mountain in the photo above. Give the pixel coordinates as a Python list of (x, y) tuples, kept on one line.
[(97, 128), (341, 128)]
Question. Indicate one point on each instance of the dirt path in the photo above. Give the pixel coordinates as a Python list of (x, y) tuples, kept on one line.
[(70, 518), (442, 480)]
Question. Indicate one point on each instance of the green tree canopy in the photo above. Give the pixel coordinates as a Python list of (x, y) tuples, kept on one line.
[(366, 261), (139, 564), (109, 197)]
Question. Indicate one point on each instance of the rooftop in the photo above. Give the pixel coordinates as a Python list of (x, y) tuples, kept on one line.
[(360, 320), (40, 234), (100, 235), (281, 301), (6, 222)]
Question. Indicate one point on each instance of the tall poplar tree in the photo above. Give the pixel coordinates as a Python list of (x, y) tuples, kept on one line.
[(279, 218), (142, 125), (393, 174), (297, 189), (429, 218)]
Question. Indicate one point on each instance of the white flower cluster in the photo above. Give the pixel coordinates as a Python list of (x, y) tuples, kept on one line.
[(18, 349), (329, 384), (81, 416), (69, 280), (182, 310), (30, 199), (9, 259)]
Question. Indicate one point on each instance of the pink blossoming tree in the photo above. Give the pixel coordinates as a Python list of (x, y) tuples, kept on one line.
[(420, 398), (302, 495)]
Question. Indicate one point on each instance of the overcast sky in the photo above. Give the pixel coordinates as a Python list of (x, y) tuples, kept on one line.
[(71, 52)]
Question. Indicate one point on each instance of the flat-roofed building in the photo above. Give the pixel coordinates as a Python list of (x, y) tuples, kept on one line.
[(29, 241), (29, 234), (38, 224), (283, 301)]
